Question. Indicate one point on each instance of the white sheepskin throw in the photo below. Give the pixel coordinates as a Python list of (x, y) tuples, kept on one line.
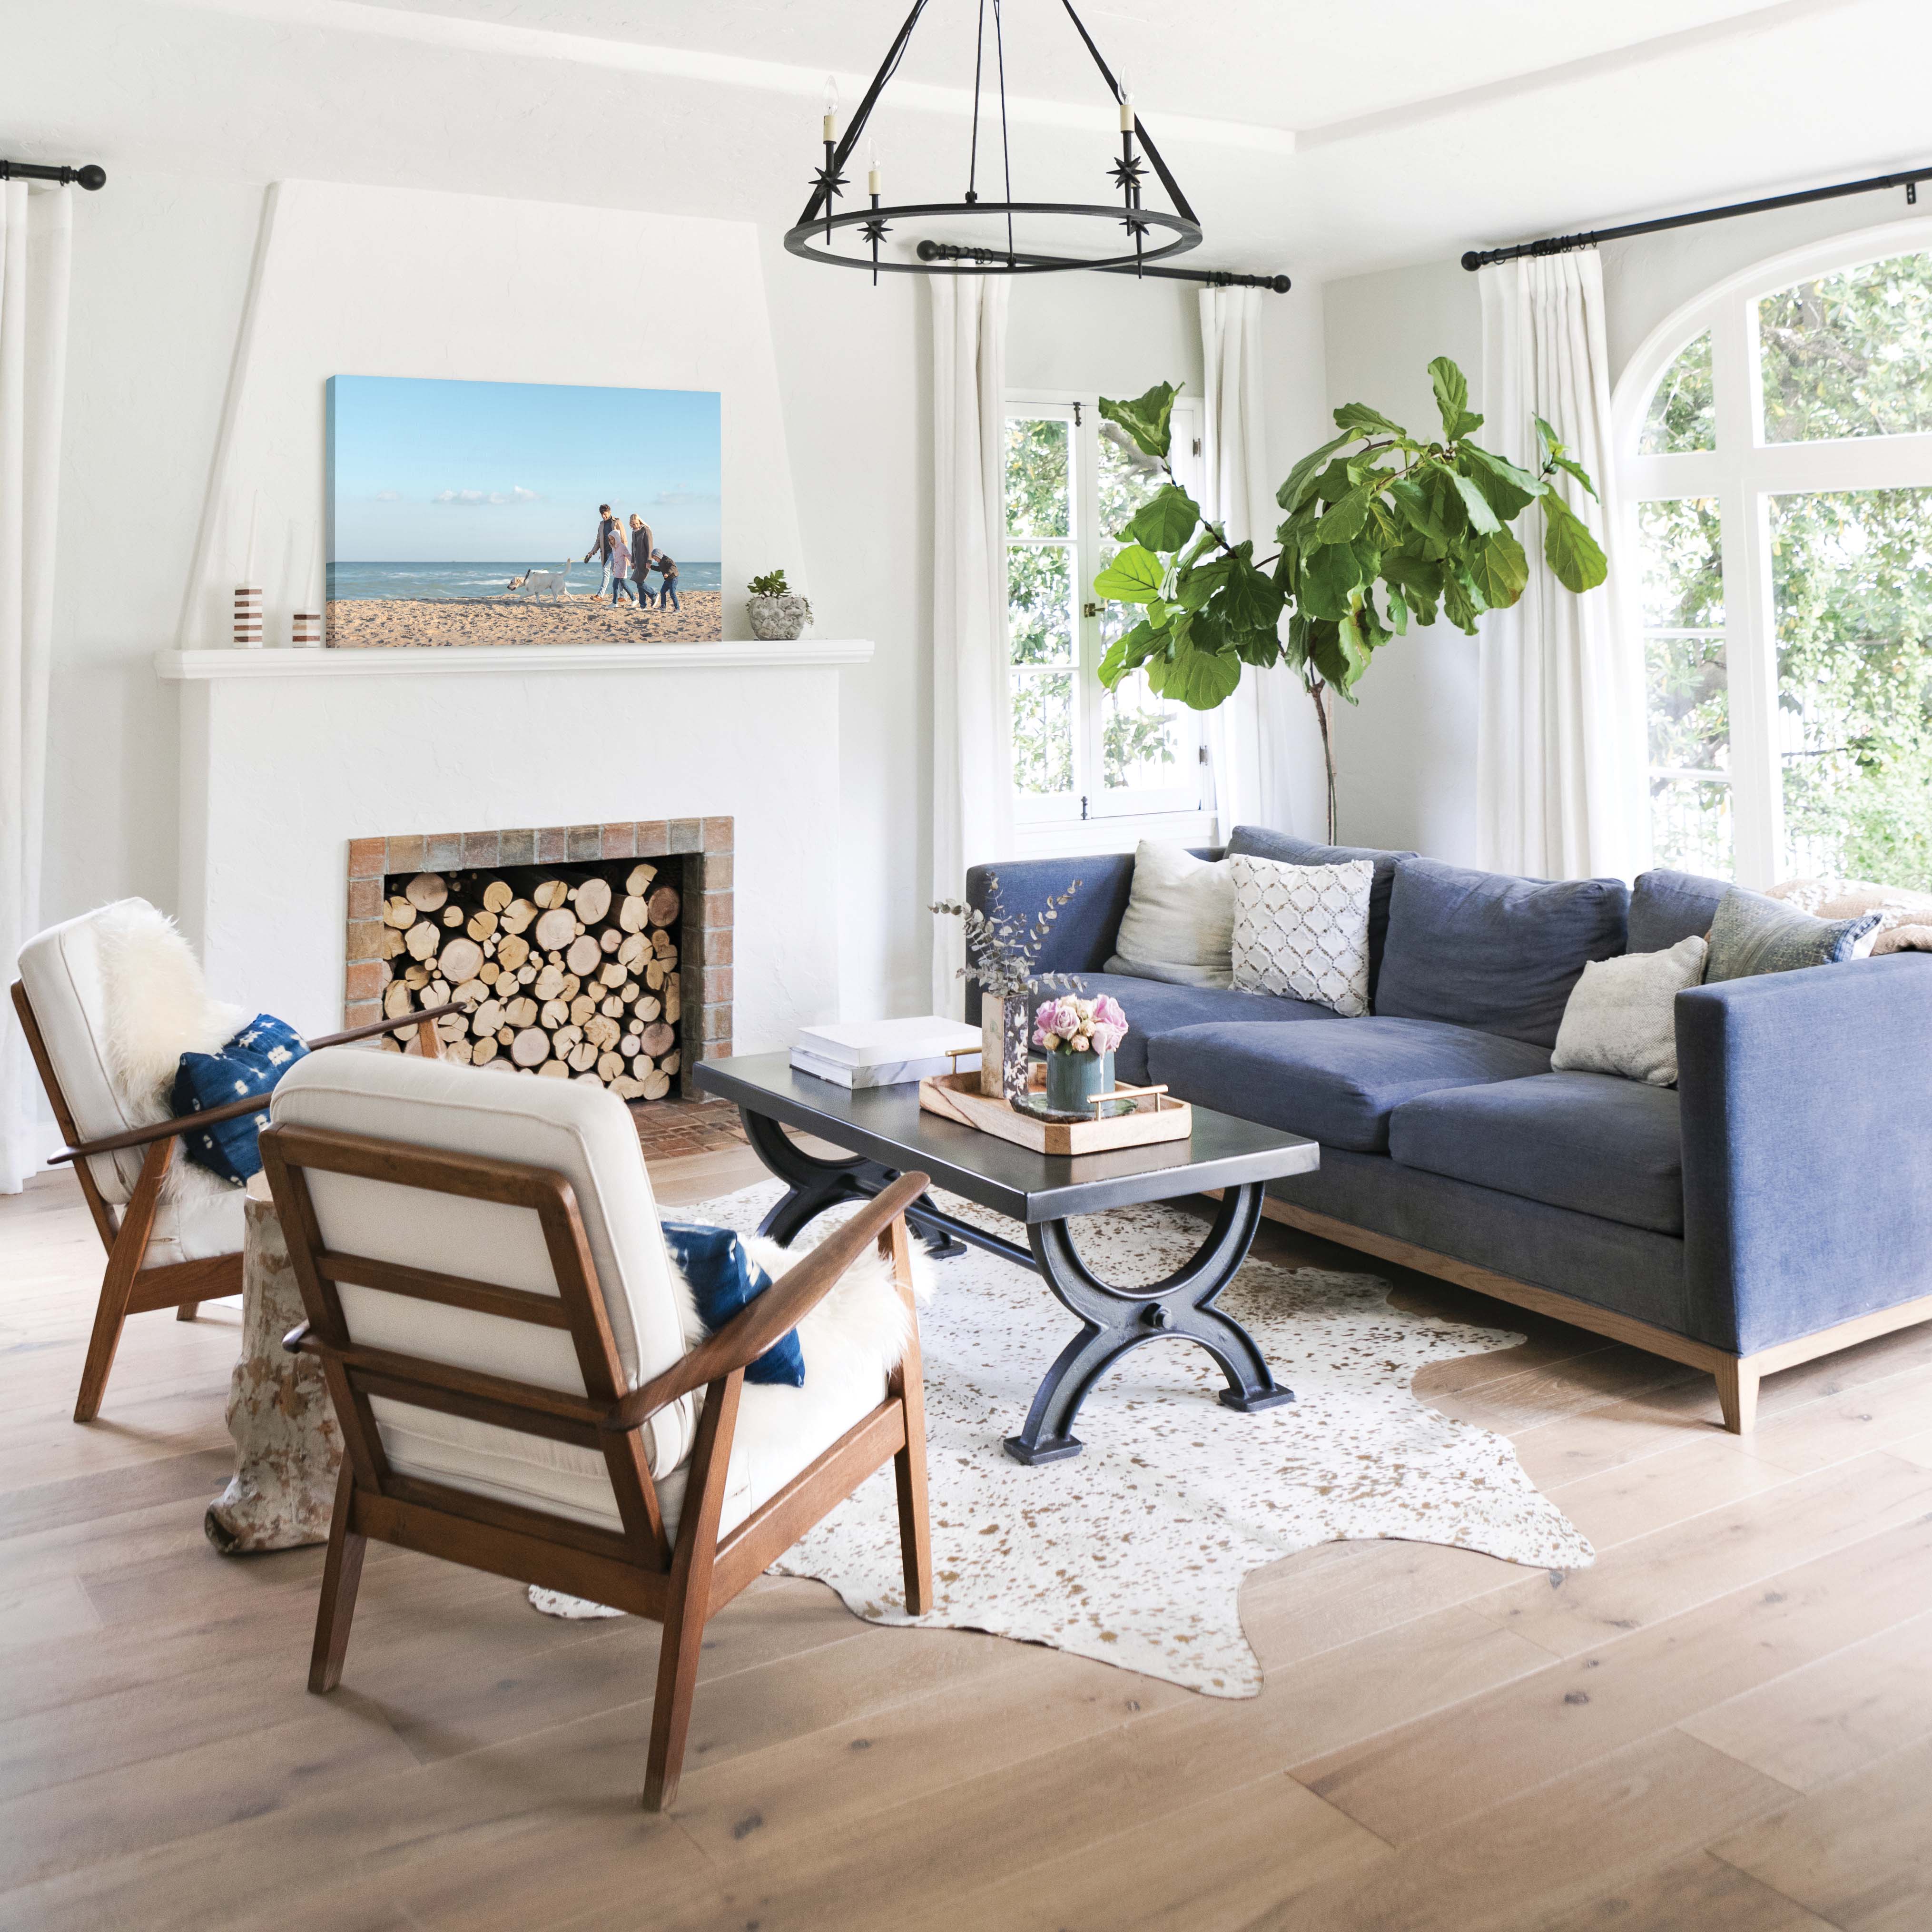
[(156, 1007)]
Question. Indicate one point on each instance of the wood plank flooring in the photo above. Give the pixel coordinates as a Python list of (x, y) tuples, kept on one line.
[(1725, 1726)]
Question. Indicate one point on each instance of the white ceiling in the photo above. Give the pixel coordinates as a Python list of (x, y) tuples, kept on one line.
[(1317, 139)]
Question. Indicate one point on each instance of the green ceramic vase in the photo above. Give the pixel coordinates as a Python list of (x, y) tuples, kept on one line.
[(1075, 1079)]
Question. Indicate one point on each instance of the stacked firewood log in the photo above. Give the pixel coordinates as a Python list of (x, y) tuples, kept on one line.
[(564, 971)]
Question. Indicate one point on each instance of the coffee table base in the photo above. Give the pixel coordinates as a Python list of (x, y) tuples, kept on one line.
[(1113, 1319)]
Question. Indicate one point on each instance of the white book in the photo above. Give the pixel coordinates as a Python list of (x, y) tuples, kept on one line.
[(881, 1042), (882, 1073)]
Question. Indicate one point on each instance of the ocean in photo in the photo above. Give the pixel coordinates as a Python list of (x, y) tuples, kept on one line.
[(362, 581)]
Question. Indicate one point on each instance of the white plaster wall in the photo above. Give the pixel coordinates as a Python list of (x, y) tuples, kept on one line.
[(296, 766)]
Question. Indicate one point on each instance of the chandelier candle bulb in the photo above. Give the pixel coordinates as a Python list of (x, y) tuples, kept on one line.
[(831, 123), (873, 176), (1126, 106)]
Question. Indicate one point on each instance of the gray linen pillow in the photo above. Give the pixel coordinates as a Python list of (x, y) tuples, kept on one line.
[(1622, 1017), (1179, 925), (1752, 935)]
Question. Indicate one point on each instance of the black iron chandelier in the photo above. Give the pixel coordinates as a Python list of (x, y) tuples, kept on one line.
[(1151, 234)]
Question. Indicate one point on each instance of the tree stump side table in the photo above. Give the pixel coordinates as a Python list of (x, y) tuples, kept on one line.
[(288, 1446)]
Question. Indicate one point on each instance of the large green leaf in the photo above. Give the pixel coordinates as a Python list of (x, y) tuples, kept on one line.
[(1344, 519), (1201, 679), (1165, 521), (1501, 569), (1482, 519), (1452, 394), (1129, 652), (1510, 490), (1571, 551), (1328, 575), (1253, 600), (1412, 500), (1290, 494), (1461, 603), (1148, 419), (1577, 470), (1200, 581), (1359, 417), (1134, 577)]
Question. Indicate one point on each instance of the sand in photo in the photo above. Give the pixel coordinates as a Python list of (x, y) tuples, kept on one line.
[(396, 623)]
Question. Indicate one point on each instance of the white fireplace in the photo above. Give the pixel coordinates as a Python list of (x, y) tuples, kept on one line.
[(289, 755)]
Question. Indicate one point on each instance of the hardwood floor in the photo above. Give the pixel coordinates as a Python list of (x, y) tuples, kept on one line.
[(1726, 1726)]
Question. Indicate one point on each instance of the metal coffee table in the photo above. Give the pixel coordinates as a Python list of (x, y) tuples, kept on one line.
[(888, 1135)]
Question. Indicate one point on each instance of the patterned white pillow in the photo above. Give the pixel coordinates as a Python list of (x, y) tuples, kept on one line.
[(1302, 932)]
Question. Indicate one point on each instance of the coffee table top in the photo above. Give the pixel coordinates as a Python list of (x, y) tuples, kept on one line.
[(885, 1124)]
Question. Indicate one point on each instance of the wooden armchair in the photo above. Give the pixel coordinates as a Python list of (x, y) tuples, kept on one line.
[(161, 1254), (507, 1346)]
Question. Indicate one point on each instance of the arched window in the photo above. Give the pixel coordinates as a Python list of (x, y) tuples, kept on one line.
[(1776, 446)]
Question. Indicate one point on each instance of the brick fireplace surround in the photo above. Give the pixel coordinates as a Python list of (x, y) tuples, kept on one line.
[(704, 844)]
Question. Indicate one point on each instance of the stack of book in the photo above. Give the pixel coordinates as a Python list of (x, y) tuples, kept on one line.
[(884, 1053)]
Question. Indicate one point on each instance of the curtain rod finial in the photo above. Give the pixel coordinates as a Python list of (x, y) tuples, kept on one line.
[(92, 176), (1471, 260)]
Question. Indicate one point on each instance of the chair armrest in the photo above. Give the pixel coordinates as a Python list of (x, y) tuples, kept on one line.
[(775, 1313), (231, 1110), (1081, 939), (1805, 1098)]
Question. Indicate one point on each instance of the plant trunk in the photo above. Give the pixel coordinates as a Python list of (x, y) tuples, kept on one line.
[(1319, 695)]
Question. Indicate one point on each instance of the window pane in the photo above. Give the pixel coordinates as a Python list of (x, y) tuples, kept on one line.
[(1687, 684), (1039, 503), (1127, 479), (1040, 603), (1141, 738), (1043, 730), (1852, 582), (1849, 354), (1683, 564), (1683, 413)]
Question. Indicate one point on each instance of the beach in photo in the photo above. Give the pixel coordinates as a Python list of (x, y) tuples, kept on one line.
[(514, 513)]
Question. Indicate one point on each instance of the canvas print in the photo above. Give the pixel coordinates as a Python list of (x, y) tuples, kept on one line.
[(521, 513)]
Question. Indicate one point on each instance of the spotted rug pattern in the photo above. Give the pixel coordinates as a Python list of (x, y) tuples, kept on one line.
[(1134, 1553)]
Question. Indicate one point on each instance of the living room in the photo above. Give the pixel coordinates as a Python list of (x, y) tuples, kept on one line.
[(1185, 777)]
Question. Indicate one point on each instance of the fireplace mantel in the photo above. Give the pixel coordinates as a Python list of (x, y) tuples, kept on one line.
[(289, 757), (456, 661)]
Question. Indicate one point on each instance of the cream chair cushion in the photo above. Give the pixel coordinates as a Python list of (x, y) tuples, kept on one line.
[(197, 1229), (575, 1128)]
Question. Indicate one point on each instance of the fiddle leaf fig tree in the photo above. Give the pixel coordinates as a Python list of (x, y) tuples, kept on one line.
[(1381, 528)]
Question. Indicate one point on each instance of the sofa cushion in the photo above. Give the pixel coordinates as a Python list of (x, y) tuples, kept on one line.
[(1258, 842), (1752, 934), (1180, 918), (1339, 1080), (1666, 906), (1499, 954), (1154, 1006), (1587, 1141)]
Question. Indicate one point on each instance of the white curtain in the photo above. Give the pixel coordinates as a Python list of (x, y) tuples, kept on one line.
[(36, 230), (1559, 754), (1260, 741), (972, 756)]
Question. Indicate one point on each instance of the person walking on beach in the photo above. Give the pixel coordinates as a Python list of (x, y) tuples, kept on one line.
[(619, 561), (641, 547), (667, 599), (600, 549)]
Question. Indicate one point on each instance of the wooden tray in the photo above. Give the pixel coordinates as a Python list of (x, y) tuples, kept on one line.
[(1156, 1117)]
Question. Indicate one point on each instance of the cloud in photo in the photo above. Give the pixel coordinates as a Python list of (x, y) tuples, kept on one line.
[(468, 498), (388, 496)]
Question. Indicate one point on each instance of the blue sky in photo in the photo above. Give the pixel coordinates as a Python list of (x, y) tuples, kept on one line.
[(426, 470)]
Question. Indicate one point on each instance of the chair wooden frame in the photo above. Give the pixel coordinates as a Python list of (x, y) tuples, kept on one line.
[(128, 1287), (681, 1585)]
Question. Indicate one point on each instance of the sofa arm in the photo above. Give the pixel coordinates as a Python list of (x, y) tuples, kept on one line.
[(1081, 939), (1807, 1196)]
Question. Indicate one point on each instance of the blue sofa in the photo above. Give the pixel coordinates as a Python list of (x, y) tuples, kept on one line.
[(1773, 1207)]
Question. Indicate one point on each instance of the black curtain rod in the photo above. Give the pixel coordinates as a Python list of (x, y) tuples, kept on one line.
[(1220, 278), (93, 175), (1561, 244)]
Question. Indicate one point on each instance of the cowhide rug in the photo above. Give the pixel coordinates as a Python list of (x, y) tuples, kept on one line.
[(1134, 1551)]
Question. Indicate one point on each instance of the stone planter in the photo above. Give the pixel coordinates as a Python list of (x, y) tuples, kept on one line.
[(773, 618)]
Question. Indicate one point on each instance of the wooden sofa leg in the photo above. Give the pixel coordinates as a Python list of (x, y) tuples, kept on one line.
[(1737, 1396), (342, 1573), (908, 1384), (117, 1284), (187, 1311)]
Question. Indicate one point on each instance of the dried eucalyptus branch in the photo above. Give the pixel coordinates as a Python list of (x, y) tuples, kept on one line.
[(1000, 948)]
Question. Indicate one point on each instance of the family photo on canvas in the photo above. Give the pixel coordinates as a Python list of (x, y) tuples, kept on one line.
[(459, 512)]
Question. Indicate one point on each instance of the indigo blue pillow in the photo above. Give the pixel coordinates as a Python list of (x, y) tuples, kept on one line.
[(1752, 935), (251, 1063), (1499, 954), (724, 1279)]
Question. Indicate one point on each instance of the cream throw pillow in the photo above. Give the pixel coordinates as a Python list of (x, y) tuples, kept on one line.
[(1622, 1014), (1302, 932), (1180, 918)]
